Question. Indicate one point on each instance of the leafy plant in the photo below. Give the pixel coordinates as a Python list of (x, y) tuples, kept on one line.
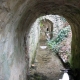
[(63, 33)]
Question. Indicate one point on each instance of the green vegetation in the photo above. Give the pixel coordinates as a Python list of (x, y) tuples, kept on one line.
[(37, 76), (53, 43), (41, 24)]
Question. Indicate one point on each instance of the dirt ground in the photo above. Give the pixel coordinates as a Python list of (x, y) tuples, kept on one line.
[(46, 65)]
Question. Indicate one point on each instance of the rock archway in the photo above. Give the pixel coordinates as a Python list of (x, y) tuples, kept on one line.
[(46, 29), (16, 17)]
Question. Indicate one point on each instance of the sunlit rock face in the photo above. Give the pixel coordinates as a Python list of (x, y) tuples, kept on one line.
[(16, 17), (46, 28), (32, 40)]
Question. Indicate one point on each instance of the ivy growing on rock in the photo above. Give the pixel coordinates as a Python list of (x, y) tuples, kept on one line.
[(53, 43)]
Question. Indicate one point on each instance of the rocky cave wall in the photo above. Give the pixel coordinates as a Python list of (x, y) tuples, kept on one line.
[(16, 17), (32, 41)]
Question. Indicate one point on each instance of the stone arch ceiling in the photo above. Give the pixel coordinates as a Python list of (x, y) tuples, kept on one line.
[(28, 10), (65, 8)]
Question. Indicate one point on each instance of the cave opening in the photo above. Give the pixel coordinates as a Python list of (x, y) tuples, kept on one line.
[(49, 46)]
